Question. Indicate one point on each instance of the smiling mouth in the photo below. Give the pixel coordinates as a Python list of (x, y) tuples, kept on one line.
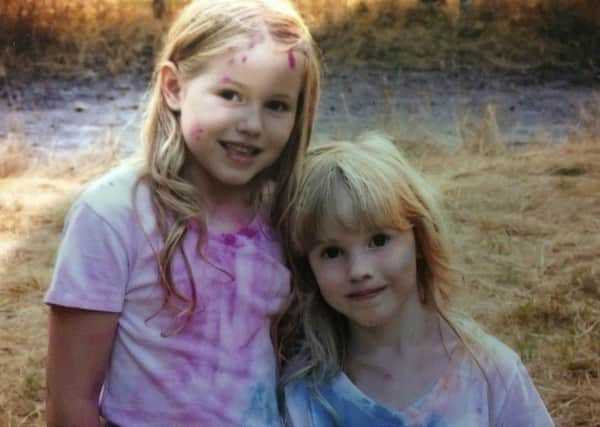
[(365, 293), (240, 149)]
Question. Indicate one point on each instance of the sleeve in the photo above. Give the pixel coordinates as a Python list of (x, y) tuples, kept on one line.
[(523, 406), (91, 270)]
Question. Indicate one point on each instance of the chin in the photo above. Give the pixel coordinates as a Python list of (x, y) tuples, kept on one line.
[(369, 322)]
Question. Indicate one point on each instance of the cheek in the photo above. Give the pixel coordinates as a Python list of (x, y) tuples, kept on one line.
[(328, 279), (196, 128), (407, 259), (280, 130), (196, 133)]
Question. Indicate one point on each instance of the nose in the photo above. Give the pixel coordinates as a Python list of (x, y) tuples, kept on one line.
[(250, 121), (360, 267)]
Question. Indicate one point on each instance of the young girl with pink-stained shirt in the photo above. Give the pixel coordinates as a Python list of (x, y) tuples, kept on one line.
[(170, 269), (373, 336)]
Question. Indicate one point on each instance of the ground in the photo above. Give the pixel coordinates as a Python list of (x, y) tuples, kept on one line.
[(438, 106)]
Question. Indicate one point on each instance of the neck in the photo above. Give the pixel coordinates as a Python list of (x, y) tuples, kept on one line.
[(417, 326), (227, 208)]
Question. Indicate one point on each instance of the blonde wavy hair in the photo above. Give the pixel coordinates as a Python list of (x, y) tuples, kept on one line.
[(385, 192), (203, 30)]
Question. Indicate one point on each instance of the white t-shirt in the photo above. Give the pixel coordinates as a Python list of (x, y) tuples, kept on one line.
[(220, 369), (460, 398)]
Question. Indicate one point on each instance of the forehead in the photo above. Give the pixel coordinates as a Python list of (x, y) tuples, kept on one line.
[(336, 211), (260, 62), (343, 214)]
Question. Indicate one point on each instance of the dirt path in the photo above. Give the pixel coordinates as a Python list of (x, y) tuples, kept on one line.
[(65, 113)]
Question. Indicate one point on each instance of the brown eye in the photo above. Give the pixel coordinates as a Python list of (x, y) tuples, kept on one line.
[(230, 95), (278, 106), (379, 240), (331, 252)]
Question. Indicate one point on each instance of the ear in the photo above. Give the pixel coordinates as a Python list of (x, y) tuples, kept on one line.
[(170, 85)]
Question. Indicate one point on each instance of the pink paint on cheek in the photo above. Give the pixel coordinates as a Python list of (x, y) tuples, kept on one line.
[(197, 133), (291, 60), (226, 80)]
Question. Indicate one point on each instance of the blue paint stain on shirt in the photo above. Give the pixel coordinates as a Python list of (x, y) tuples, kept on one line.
[(349, 412), (435, 421), (263, 407)]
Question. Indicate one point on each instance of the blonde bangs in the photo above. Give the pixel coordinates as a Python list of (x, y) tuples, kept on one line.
[(329, 182)]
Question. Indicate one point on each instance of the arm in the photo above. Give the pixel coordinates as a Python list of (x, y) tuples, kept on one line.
[(79, 347)]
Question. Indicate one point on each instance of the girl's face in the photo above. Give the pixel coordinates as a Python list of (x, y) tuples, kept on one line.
[(368, 276), (238, 113)]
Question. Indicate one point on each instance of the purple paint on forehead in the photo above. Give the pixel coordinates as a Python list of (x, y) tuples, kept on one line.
[(244, 58), (291, 60)]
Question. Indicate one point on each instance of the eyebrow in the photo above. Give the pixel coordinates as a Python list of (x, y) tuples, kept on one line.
[(320, 242), (279, 95)]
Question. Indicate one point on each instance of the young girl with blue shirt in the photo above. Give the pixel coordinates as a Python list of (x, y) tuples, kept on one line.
[(372, 336)]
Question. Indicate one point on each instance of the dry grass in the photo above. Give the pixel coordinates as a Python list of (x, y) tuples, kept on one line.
[(120, 36), (527, 232), (36, 189)]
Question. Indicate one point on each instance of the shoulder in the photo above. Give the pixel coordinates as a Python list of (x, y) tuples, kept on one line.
[(107, 210), (493, 360), (112, 191), (516, 399), (496, 356), (113, 199)]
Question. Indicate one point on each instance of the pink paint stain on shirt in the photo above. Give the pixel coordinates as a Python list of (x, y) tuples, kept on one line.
[(248, 232), (229, 239), (291, 60)]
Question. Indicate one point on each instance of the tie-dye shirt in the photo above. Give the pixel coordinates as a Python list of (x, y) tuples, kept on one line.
[(461, 398), (217, 371)]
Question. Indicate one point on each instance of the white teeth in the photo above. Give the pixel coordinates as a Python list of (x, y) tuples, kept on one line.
[(240, 149)]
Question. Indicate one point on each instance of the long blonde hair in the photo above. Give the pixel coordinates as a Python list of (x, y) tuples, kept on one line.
[(202, 30), (386, 192)]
